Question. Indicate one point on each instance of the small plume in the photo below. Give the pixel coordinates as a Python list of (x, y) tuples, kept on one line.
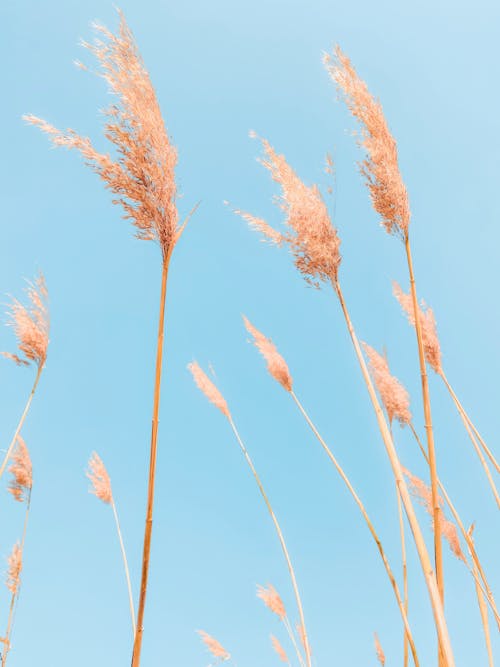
[(272, 600), (15, 565), (99, 478), (142, 175), (215, 648), (31, 325), (22, 472), (276, 365), (312, 239), (394, 396), (206, 385), (379, 651), (279, 649), (424, 495), (380, 167), (302, 634), (430, 340)]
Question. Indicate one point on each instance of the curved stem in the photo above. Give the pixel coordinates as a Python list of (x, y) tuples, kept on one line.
[(367, 519), (430, 579), (21, 422), (464, 415), (438, 553), (136, 656), (125, 565), (280, 537), (291, 634)]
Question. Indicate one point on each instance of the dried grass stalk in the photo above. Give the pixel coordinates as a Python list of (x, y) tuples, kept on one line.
[(378, 650)]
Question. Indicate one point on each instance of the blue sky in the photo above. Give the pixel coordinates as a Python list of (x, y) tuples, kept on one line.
[(221, 69)]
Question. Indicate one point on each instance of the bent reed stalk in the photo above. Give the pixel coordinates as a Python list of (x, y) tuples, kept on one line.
[(401, 605), (212, 393)]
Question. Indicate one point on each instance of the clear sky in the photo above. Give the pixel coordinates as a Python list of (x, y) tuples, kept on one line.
[(220, 69)]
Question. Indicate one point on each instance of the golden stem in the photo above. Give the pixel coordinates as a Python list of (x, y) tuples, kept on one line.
[(136, 656), (405, 574), (367, 519), (125, 565), (21, 422), (281, 539), (484, 616), (463, 414), (430, 579), (470, 544), (436, 510)]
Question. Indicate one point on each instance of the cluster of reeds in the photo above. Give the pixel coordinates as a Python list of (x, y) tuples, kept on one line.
[(140, 174)]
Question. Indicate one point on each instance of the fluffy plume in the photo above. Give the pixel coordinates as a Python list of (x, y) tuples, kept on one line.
[(380, 167), (206, 385), (272, 600), (424, 495), (312, 239), (99, 478), (279, 649), (142, 175), (432, 349), (394, 396), (21, 471), (31, 325), (379, 651), (276, 365), (215, 648), (15, 564)]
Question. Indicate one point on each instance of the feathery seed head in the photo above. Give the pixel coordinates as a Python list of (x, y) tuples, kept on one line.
[(206, 386), (311, 238), (22, 472), (215, 648), (379, 651), (279, 649), (276, 365), (394, 396), (31, 325), (15, 565), (432, 349), (380, 167), (99, 478), (142, 175), (272, 600)]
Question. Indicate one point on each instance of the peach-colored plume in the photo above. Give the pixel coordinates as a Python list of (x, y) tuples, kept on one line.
[(98, 475), (272, 600), (142, 175), (15, 564), (394, 396), (276, 365), (31, 325), (379, 651), (279, 649), (423, 493), (302, 634), (380, 168), (432, 349), (312, 239), (206, 385), (215, 648), (22, 472)]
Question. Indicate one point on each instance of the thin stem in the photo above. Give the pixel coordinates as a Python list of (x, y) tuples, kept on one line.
[(280, 537), (368, 521), (125, 565), (430, 579), (21, 422), (136, 656), (464, 414), (470, 543), (484, 617), (15, 595), (291, 634), (436, 510), (405, 573)]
